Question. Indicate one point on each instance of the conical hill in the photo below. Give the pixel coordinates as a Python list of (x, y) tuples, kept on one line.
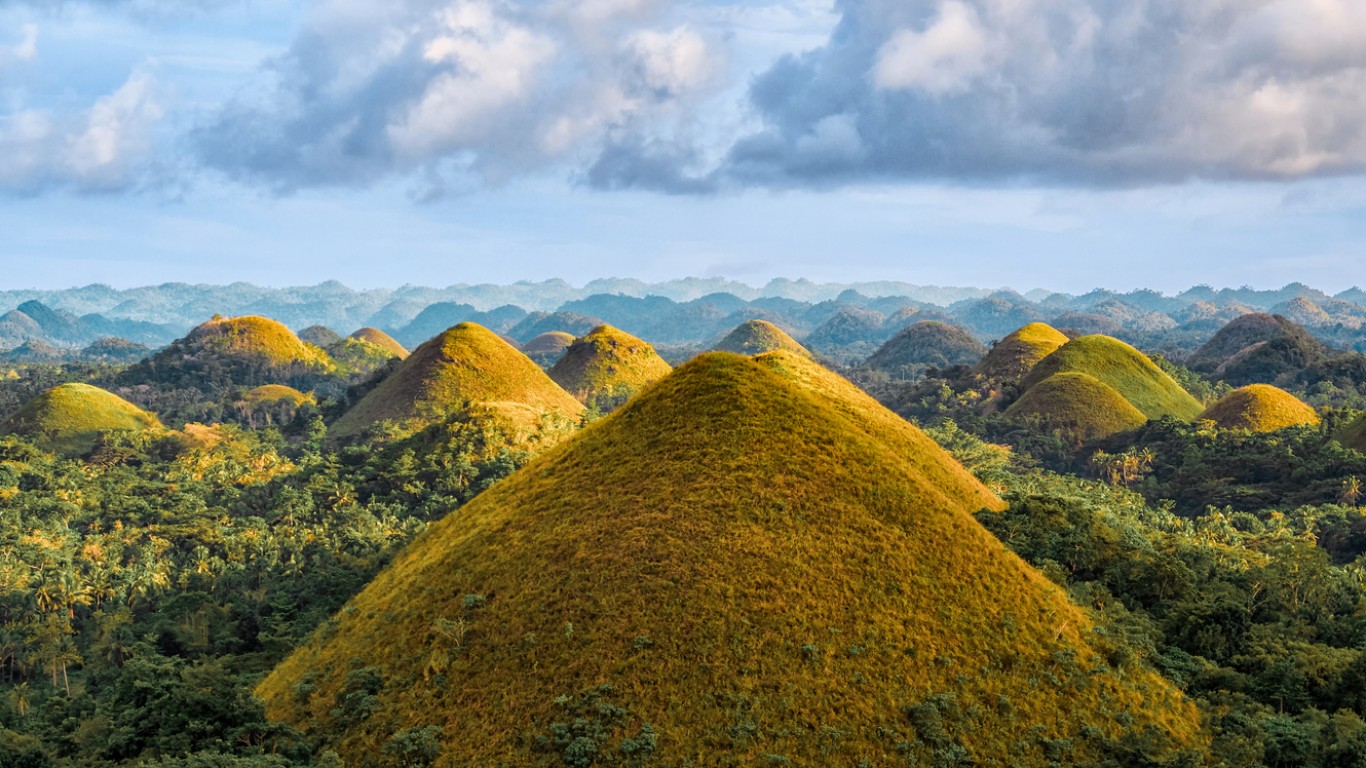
[(1011, 358), (1260, 408), (462, 365), (755, 337), (607, 366), (735, 568), (928, 342), (1078, 406), (71, 418), (380, 339), (241, 351), (547, 349), (1125, 370)]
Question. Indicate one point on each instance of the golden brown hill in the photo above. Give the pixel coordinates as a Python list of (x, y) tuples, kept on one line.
[(1077, 406), (380, 339), (275, 394), (548, 348), (240, 351), (755, 337), (607, 366), (71, 418), (739, 567), (1122, 368), (1011, 358), (1260, 408), (465, 364), (251, 338)]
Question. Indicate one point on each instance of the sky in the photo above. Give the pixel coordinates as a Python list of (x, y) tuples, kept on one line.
[(1059, 144)]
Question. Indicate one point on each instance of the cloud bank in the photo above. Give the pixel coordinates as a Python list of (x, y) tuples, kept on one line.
[(1099, 92)]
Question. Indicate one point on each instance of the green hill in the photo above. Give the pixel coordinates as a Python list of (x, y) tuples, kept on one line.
[(607, 366), (739, 567), (1011, 358), (547, 349), (1260, 408), (1076, 405), (319, 336), (755, 337), (71, 418), (928, 342), (1256, 345), (465, 364), (1125, 370), (380, 339)]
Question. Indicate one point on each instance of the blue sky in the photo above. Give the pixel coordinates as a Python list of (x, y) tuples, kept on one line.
[(1064, 144)]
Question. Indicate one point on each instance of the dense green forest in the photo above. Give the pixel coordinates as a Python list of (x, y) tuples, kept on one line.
[(147, 586)]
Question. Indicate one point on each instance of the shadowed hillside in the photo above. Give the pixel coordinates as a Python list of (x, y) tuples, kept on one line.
[(754, 337), (1011, 358), (611, 604), (465, 364), (928, 342), (548, 348)]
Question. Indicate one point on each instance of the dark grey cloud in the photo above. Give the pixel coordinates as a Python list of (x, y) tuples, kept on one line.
[(452, 89), (1095, 92)]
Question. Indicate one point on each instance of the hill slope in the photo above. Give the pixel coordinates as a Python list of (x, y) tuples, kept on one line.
[(928, 342), (813, 598), (380, 339), (465, 364), (547, 349), (1245, 333), (755, 337), (1077, 405), (1260, 408), (607, 366), (241, 351), (1125, 370), (1012, 357), (71, 418), (1354, 434)]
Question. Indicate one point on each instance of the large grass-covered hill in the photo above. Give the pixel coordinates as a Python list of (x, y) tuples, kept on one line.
[(607, 365), (1122, 368), (72, 418), (819, 595), (1260, 408)]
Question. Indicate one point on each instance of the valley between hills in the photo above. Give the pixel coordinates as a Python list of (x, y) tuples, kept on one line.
[(684, 524)]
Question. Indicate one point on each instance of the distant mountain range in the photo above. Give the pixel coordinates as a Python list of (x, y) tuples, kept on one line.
[(843, 321)]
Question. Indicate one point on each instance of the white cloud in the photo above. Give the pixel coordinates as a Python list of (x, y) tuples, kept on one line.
[(944, 57), (105, 147)]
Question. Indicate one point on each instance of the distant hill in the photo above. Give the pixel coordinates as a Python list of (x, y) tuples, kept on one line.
[(319, 336), (610, 603), (546, 349), (1257, 348), (233, 352), (465, 364), (1124, 369), (1260, 408), (754, 337), (928, 342), (71, 418), (1076, 406), (607, 366), (272, 404), (1354, 434), (537, 323), (380, 339), (1011, 358)]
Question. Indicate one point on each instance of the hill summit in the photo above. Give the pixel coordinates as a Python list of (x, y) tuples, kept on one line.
[(928, 342), (380, 339), (607, 366), (1122, 368), (755, 337), (1078, 406), (463, 365), (241, 351), (1012, 357), (71, 418), (1260, 408), (820, 595)]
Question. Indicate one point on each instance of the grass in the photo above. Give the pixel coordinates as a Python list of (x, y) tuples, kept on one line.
[(358, 356), (608, 363), (747, 560), (1260, 408), (1354, 434), (1125, 370), (464, 364), (272, 394), (1078, 406), (1012, 357), (380, 339), (755, 337), (547, 348), (70, 418), (252, 338), (928, 342)]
